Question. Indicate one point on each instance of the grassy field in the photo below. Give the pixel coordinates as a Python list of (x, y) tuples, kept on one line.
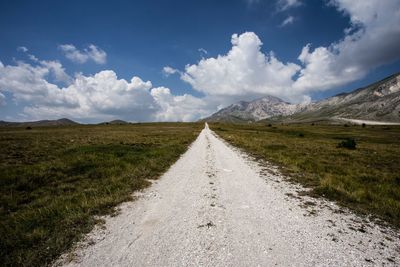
[(55, 180), (366, 178)]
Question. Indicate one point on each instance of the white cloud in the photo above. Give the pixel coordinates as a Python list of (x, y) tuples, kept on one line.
[(243, 71), (92, 52), (372, 40), (283, 5), (179, 108), (53, 67), (167, 71), (29, 84), (202, 51), (99, 97), (33, 58), (137, 83), (98, 55), (287, 21), (73, 54), (22, 49), (56, 69)]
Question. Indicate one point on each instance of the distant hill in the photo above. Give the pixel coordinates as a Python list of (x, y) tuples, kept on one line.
[(115, 122), (60, 122), (255, 110), (379, 101)]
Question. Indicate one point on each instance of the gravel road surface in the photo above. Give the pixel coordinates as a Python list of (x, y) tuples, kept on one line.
[(218, 207)]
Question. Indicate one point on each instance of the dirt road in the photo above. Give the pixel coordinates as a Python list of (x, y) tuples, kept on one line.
[(217, 207)]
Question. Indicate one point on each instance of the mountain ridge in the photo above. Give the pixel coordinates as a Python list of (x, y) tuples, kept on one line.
[(59, 122), (379, 101), (255, 110)]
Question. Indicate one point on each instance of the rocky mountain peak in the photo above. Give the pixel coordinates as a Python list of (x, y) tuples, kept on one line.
[(258, 109), (379, 101)]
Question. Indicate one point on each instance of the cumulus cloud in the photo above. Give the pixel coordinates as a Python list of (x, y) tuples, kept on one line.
[(246, 71), (371, 41), (167, 71), (287, 21), (179, 108), (56, 69), (29, 83), (102, 96), (92, 52), (53, 67)]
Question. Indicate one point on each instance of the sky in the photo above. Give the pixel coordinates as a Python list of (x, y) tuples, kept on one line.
[(177, 60)]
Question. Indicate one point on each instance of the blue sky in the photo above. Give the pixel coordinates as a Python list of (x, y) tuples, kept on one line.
[(76, 59)]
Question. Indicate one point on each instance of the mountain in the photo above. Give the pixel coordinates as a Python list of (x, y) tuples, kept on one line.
[(379, 101), (255, 110), (60, 122)]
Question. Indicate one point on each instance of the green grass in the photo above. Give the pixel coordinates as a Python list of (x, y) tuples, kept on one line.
[(366, 179), (54, 181)]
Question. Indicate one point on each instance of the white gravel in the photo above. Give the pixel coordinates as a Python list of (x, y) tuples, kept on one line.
[(217, 207), (368, 122)]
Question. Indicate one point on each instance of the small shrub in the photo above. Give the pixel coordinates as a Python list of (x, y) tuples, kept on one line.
[(301, 135), (28, 128), (348, 143), (346, 125), (363, 125), (312, 124), (270, 125)]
